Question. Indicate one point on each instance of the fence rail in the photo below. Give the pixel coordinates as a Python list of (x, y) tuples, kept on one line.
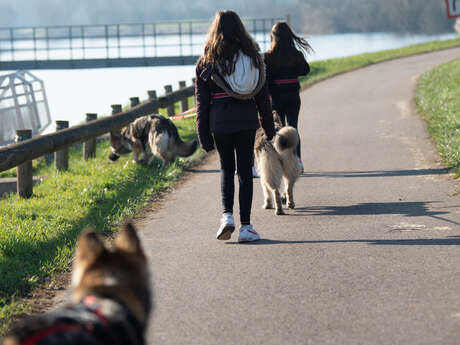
[(113, 45), (24, 151)]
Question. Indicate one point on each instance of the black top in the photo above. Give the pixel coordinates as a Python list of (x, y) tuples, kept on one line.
[(281, 79), (228, 114)]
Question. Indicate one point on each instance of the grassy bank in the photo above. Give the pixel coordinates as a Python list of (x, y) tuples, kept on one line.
[(438, 99), (37, 236), (321, 70)]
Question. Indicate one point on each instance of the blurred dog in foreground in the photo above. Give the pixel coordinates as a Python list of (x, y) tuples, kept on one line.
[(111, 295), (153, 135), (277, 162)]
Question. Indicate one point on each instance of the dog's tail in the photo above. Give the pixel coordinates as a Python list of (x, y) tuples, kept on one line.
[(185, 148), (287, 138), (182, 148)]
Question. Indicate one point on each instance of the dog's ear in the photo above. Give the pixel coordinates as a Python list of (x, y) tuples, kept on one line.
[(128, 241), (276, 118), (89, 247)]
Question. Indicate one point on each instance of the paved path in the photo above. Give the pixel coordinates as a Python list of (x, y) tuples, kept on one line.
[(371, 255)]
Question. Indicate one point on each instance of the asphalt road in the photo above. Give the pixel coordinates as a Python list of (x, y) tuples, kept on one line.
[(371, 254)]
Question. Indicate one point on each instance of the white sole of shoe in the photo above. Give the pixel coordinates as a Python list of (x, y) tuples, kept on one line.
[(226, 233), (246, 239)]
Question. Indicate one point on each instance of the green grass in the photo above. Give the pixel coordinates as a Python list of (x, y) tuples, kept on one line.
[(39, 167), (37, 235), (438, 99), (321, 70)]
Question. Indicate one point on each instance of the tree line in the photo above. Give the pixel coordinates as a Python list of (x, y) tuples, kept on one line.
[(307, 16)]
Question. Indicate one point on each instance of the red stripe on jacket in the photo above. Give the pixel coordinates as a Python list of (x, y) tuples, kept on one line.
[(286, 81), (220, 95)]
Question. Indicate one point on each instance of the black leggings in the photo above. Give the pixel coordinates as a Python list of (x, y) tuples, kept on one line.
[(287, 106), (243, 144)]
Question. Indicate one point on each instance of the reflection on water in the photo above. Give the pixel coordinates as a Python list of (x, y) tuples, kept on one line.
[(72, 93)]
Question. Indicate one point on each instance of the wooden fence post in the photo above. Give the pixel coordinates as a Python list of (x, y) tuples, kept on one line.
[(153, 96), (24, 184), (170, 108), (89, 147), (134, 101), (184, 102), (16, 154), (61, 157), (49, 158), (116, 108)]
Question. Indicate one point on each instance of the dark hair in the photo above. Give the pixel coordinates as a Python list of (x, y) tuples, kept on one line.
[(286, 47), (226, 37)]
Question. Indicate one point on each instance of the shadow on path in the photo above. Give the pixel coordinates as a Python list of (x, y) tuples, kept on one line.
[(406, 209), (377, 173), (449, 241), (203, 171)]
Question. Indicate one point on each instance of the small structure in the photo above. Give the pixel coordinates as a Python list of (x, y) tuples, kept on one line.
[(23, 105)]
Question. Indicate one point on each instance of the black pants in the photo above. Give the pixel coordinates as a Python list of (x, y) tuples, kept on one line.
[(287, 106), (241, 143)]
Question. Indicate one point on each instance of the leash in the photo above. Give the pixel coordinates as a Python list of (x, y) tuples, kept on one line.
[(184, 115)]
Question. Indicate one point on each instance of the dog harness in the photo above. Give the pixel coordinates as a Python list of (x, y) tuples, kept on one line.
[(83, 323)]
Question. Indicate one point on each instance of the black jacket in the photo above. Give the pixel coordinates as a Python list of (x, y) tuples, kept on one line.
[(229, 114), (275, 74)]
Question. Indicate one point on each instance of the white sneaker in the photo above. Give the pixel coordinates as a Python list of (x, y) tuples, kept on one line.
[(300, 165), (254, 172), (248, 234), (226, 228)]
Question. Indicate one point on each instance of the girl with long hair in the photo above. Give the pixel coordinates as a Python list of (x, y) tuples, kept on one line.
[(285, 62), (230, 90)]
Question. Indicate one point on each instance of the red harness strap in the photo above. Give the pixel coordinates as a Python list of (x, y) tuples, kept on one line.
[(59, 328), (220, 95), (286, 81), (90, 302)]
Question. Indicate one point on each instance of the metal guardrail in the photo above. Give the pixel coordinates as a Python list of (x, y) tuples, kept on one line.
[(113, 45)]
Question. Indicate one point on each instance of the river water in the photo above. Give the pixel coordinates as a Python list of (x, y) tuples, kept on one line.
[(72, 93)]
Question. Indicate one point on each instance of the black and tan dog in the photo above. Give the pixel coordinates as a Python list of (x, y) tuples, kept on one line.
[(151, 136), (277, 162), (111, 293)]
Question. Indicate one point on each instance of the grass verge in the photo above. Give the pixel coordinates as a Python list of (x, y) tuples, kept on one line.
[(37, 236), (438, 100), (321, 70)]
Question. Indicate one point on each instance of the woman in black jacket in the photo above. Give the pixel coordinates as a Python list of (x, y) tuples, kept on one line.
[(230, 90), (285, 62)]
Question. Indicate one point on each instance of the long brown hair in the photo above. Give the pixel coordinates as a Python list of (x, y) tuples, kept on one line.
[(226, 37), (286, 46)]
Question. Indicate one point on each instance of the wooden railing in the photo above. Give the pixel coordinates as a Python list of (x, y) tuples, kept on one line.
[(25, 150)]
